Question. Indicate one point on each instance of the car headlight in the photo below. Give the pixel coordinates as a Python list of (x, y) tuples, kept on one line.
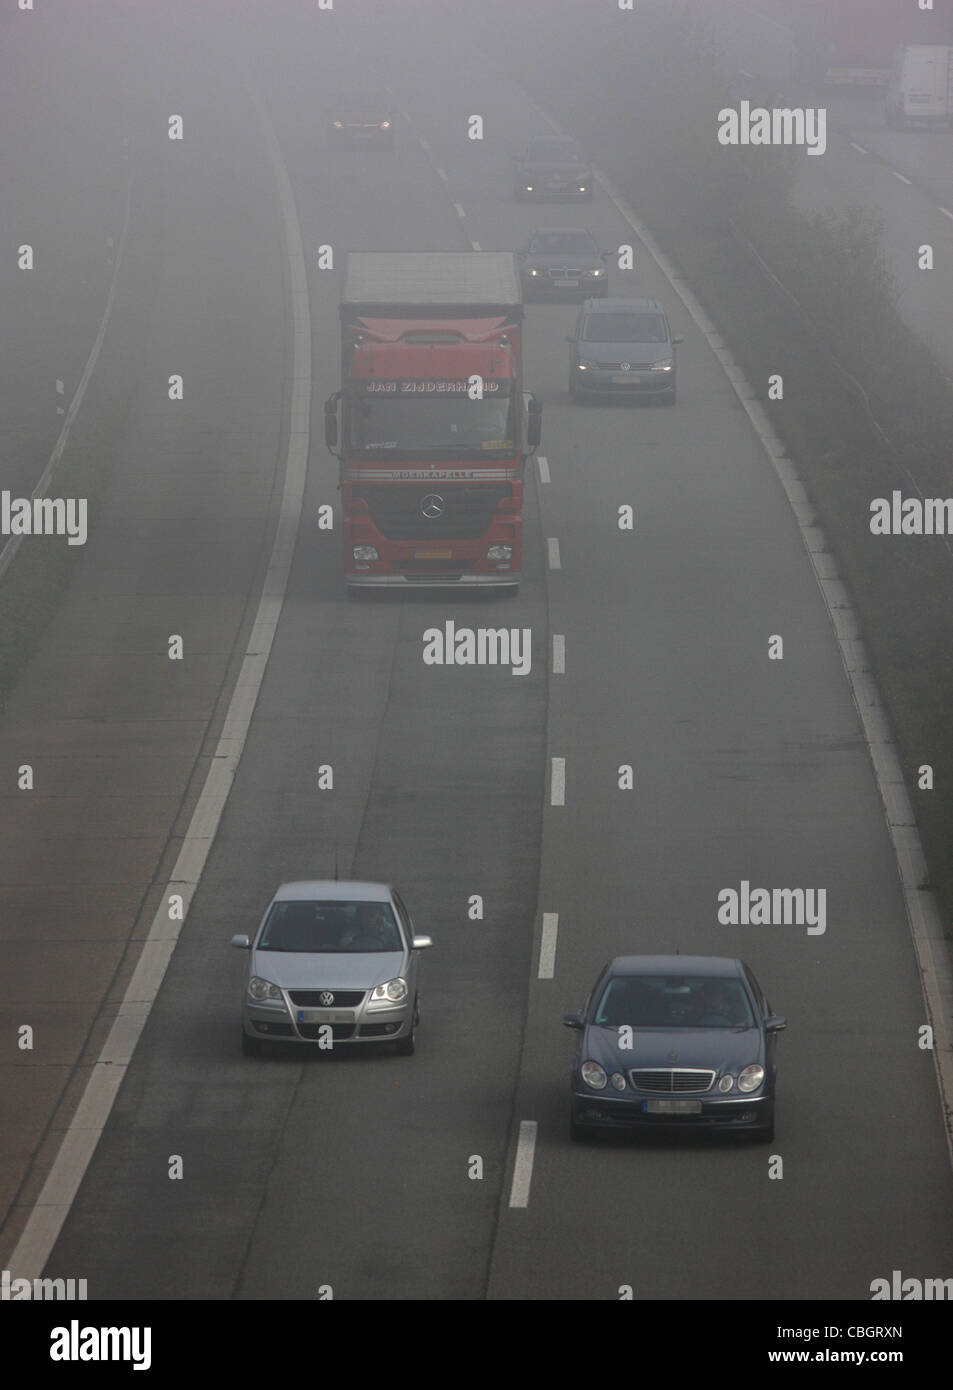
[(618, 1080), (726, 1083), (529, 188), (664, 364), (365, 552), (338, 125), (500, 552), (751, 1077), (599, 271), (393, 991), (263, 989), (594, 1075), (533, 270), (584, 366), (385, 125)]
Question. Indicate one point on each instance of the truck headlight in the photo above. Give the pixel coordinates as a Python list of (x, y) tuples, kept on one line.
[(365, 552), (500, 552)]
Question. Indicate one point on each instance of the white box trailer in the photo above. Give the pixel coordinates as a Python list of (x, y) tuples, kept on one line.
[(921, 86)]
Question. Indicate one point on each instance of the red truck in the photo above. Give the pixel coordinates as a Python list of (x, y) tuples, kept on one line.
[(433, 422), (849, 44)]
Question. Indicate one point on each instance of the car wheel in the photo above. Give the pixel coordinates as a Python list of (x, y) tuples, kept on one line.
[(251, 1047), (405, 1047), (670, 397)]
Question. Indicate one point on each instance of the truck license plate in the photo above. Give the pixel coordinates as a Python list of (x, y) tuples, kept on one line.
[(433, 554)]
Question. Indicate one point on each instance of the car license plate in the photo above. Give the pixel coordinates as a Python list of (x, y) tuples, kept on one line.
[(565, 283), (325, 1016), (626, 380), (433, 554), (672, 1107)]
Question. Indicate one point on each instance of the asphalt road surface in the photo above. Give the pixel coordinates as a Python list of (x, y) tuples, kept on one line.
[(356, 1171)]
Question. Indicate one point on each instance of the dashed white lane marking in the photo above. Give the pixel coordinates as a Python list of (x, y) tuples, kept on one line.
[(902, 177), (946, 213), (441, 173), (547, 945), (476, 245), (559, 654), (523, 1168), (458, 209), (542, 463), (859, 148), (552, 547), (557, 783), (79, 1142)]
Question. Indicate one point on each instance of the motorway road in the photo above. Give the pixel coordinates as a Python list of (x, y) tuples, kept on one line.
[(353, 1171)]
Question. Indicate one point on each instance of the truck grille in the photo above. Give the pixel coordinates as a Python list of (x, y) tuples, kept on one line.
[(395, 509), (671, 1081)]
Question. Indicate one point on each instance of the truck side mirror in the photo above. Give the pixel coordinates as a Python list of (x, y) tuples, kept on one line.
[(331, 421), (534, 423)]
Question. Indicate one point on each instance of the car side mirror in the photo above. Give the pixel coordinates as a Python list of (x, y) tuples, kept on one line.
[(775, 1024), (422, 942), (576, 1021), (678, 338), (242, 942)]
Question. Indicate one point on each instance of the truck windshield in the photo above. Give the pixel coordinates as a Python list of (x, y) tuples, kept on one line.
[(382, 426)]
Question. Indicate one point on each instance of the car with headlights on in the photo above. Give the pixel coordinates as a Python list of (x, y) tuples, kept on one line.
[(553, 166), (674, 1043), (359, 119), (332, 962), (561, 262), (622, 347)]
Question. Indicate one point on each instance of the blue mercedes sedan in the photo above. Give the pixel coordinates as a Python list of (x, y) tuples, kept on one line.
[(674, 1042)]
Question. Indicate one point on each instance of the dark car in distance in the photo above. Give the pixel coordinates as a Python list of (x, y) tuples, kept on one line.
[(674, 1043), (622, 347), (361, 119), (562, 261), (553, 166)]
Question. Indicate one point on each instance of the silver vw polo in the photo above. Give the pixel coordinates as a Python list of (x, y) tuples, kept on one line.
[(332, 962)]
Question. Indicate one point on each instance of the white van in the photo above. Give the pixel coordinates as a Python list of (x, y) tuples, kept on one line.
[(921, 86)]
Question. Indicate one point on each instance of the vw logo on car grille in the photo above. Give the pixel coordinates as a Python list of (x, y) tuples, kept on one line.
[(432, 506), (625, 366), (326, 998)]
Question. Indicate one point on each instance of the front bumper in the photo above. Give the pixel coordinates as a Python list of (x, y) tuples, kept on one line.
[(600, 382), (452, 579), (597, 1110), (544, 286), (542, 191), (353, 1026)]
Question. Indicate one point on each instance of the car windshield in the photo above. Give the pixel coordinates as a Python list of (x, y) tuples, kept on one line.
[(315, 927), (664, 1001), (550, 243), (402, 425), (624, 328), (553, 151)]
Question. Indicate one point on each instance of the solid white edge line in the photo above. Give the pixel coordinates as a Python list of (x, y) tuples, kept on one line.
[(559, 654), (552, 546), (547, 946), (557, 782), (458, 209), (441, 173), (542, 463), (946, 213), (80, 1139), (859, 148), (902, 177), (923, 914), (9, 550), (523, 1167)]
